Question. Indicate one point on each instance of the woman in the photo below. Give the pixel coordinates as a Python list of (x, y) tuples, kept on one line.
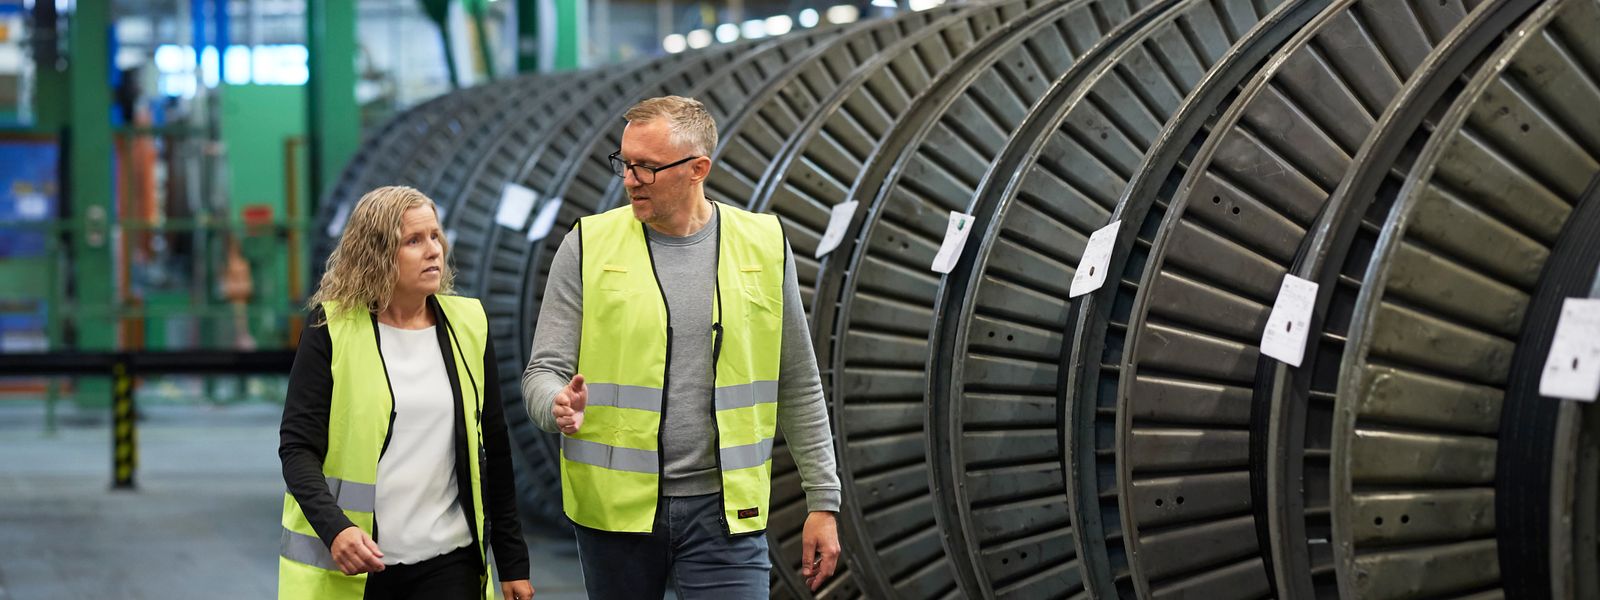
[(393, 445)]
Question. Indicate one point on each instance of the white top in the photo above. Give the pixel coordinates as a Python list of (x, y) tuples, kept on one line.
[(419, 515)]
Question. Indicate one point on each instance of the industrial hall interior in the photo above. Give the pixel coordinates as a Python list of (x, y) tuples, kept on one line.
[(793, 299)]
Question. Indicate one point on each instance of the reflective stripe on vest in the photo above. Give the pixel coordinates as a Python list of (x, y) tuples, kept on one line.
[(747, 395), (610, 469), (362, 401), (747, 456), (353, 496), (307, 549), (624, 396), (610, 457)]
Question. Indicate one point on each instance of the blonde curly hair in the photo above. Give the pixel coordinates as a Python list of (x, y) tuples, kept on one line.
[(361, 270)]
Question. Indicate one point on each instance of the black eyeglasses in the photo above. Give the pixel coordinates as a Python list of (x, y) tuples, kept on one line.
[(645, 175)]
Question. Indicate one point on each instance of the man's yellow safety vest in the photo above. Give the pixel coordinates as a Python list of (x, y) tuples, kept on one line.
[(358, 424), (611, 469)]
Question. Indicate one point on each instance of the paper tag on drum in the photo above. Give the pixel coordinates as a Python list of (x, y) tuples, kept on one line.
[(336, 226), (516, 203), (955, 238), (545, 220), (1091, 273), (1572, 369), (1290, 320), (838, 223)]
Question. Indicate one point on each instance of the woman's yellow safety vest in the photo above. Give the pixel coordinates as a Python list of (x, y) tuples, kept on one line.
[(611, 469), (358, 423)]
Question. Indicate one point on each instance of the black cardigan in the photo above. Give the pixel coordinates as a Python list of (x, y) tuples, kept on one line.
[(303, 443)]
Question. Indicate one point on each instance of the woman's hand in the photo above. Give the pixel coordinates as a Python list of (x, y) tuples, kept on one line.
[(355, 552), (516, 590)]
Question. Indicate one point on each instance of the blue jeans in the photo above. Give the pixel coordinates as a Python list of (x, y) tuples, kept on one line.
[(688, 544)]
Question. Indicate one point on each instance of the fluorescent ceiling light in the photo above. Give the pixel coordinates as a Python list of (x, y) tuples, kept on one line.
[(843, 13), (754, 29), (779, 25), (674, 43), (699, 38)]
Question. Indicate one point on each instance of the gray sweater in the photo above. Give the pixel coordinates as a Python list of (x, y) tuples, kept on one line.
[(685, 267)]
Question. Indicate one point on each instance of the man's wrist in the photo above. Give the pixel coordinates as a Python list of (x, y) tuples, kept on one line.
[(823, 501)]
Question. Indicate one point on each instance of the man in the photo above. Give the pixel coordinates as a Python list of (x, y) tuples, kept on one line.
[(671, 342)]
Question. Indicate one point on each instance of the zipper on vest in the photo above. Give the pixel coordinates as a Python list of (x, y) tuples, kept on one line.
[(716, 355), (666, 372), (716, 432)]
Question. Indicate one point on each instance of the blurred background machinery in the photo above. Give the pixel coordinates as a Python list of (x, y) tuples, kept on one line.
[(1432, 166)]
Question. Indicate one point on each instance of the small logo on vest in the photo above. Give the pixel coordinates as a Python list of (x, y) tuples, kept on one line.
[(749, 513)]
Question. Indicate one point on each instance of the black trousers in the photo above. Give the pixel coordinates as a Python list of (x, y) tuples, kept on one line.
[(450, 576)]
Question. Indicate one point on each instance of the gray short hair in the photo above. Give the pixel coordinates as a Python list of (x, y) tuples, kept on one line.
[(691, 126)]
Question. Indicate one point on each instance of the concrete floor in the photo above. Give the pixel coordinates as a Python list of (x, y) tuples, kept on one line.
[(202, 524)]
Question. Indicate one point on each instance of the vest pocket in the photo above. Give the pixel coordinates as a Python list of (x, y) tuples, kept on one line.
[(616, 278)]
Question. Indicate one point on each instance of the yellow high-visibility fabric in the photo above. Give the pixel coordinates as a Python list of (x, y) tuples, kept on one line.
[(608, 479), (358, 422)]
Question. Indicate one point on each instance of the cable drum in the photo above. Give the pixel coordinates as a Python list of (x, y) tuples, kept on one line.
[(1185, 409), (877, 402), (1428, 163), (1096, 131), (1423, 379), (833, 156)]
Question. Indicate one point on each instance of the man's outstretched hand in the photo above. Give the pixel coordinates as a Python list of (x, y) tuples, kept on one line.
[(570, 402)]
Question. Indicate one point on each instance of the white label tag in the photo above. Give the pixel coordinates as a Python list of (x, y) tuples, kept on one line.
[(1572, 371), (1091, 273), (1285, 336), (955, 238), (516, 203), (837, 224), (545, 220), (336, 226)]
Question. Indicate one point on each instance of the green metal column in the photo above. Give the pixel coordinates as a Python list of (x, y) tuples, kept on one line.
[(91, 194), (571, 28), (527, 36), (49, 82), (92, 189), (572, 23), (334, 120)]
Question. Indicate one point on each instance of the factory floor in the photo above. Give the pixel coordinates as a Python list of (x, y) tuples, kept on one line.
[(203, 522)]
